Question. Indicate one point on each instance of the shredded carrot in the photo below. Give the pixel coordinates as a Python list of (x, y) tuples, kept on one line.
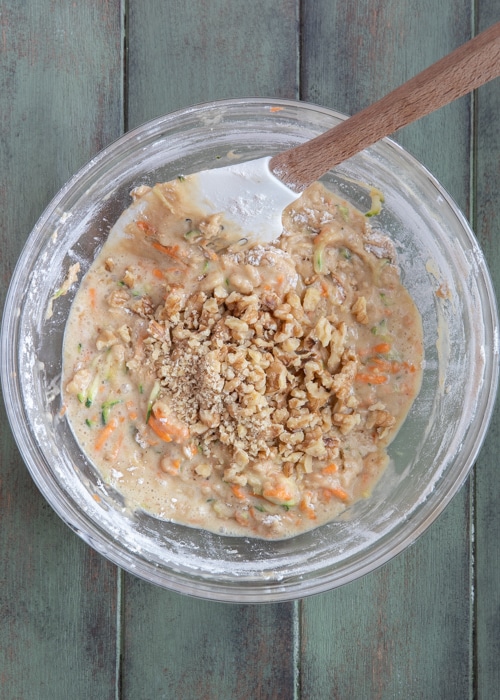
[(160, 428), (242, 518), (146, 228), (370, 378), (409, 367), (324, 289), (105, 433), (190, 450), (306, 507), (116, 449), (96, 497), (279, 493), (382, 348), (132, 413), (390, 366), (158, 273), (338, 493), (276, 109), (238, 491), (171, 250), (175, 431), (92, 297), (330, 469), (171, 467), (211, 253)]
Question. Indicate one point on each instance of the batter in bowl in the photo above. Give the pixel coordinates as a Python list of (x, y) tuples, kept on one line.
[(242, 388)]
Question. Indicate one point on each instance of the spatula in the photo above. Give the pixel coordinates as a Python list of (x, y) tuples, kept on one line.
[(253, 194)]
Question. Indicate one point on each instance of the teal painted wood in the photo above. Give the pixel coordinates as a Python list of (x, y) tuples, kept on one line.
[(405, 630), (181, 648), (60, 73), (180, 54), (410, 629), (183, 53), (487, 483), (355, 52)]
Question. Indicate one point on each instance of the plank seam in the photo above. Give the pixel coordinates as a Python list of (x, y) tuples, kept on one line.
[(119, 634), (296, 629), (125, 67), (473, 183), (124, 18), (300, 44)]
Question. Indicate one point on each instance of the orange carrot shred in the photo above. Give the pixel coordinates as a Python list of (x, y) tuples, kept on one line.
[(146, 228), (116, 449), (390, 366), (106, 433), (330, 469), (159, 428), (382, 348), (279, 492), (306, 507), (338, 493), (190, 450), (238, 491), (370, 378), (171, 250)]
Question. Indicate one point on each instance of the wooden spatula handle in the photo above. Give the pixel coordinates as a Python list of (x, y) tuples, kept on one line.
[(458, 73)]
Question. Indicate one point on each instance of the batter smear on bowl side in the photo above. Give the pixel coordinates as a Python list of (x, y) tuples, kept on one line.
[(246, 389)]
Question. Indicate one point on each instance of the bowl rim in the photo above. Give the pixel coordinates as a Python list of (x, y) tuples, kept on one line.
[(232, 592)]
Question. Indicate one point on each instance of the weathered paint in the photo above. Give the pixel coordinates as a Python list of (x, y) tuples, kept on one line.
[(426, 625)]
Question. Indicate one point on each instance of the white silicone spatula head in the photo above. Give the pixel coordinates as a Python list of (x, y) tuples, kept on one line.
[(253, 195), (248, 195)]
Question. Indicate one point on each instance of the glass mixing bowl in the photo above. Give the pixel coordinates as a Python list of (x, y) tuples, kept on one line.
[(442, 266)]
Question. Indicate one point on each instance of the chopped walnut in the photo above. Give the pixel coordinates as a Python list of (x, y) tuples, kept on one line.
[(311, 298), (380, 420), (118, 298), (346, 421), (106, 339), (128, 278), (359, 310)]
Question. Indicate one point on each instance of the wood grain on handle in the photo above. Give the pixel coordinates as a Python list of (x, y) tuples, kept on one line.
[(455, 75)]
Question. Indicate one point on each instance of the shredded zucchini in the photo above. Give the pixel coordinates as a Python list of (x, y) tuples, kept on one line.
[(377, 198)]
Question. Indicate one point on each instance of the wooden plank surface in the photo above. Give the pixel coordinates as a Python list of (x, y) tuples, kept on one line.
[(180, 54), (175, 647), (183, 53), (406, 629), (487, 484), (427, 624), (60, 73)]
